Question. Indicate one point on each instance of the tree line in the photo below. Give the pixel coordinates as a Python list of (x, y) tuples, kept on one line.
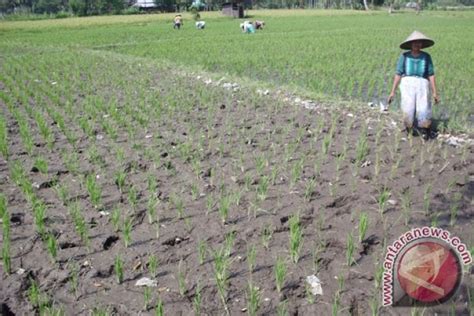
[(63, 8)]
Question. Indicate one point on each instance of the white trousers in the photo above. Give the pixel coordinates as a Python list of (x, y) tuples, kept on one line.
[(416, 104)]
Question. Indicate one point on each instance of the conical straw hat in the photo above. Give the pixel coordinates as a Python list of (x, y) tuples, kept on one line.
[(417, 36)]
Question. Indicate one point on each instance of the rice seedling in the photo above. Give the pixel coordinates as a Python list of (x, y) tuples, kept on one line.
[(221, 264), (17, 173), (71, 161), (120, 177), (417, 311), (363, 225), (280, 273), (152, 184), (296, 172), (202, 249), (127, 230), (229, 240), (260, 163), (99, 311), (34, 294), (336, 305), (209, 204), (317, 250), (6, 238), (197, 300), (395, 166), (362, 147), (79, 223), (427, 198), (251, 258), (350, 250), (340, 284), (406, 205), (308, 293), (152, 265), (118, 269), (179, 205), (340, 159), (51, 245), (39, 212), (267, 233), (236, 198), (25, 135), (115, 218), (247, 182), (3, 137), (94, 156), (289, 151), (132, 197), (310, 189), (51, 310), (326, 144), (194, 192), (181, 278), (44, 129), (224, 206), (146, 298), (94, 190), (62, 193), (86, 127), (159, 309), (454, 208), (378, 276), (3, 205), (274, 175), (382, 199), (282, 308), (151, 209), (374, 305), (262, 188), (435, 219), (450, 186), (377, 164), (253, 299), (74, 278), (296, 238)]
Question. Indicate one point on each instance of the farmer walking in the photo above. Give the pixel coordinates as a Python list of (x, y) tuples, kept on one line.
[(415, 74)]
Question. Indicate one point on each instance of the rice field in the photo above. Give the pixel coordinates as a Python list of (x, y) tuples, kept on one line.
[(360, 48), (224, 167)]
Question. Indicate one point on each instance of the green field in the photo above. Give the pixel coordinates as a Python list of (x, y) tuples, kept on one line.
[(338, 55)]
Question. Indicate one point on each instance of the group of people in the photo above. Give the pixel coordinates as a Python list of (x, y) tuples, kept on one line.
[(246, 27), (414, 74), (178, 22)]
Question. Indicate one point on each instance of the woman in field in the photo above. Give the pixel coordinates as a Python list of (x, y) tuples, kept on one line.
[(178, 21), (415, 74)]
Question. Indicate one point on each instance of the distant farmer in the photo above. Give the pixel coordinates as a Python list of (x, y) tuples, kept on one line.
[(415, 74), (200, 25), (247, 27), (178, 21), (259, 24)]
